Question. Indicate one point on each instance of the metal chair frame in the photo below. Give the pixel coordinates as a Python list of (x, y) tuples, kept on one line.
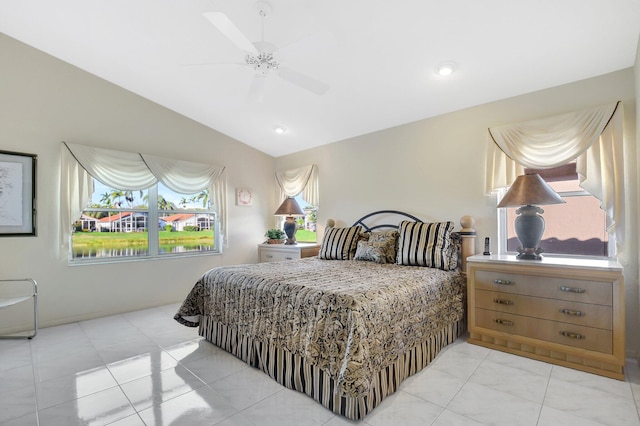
[(5, 302)]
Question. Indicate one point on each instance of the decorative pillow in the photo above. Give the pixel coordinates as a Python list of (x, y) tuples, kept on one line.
[(454, 251), (390, 238), (425, 244), (339, 243), (371, 251), (364, 236)]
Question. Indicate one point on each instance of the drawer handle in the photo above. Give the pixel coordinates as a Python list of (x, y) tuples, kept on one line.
[(268, 256), (503, 301), (572, 289), (572, 335), (503, 322), (572, 312), (288, 258), (503, 282)]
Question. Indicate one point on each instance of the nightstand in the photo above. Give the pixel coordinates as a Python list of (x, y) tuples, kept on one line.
[(281, 252), (564, 311)]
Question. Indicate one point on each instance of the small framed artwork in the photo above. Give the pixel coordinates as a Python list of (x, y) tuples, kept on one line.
[(244, 197), (17, 194)]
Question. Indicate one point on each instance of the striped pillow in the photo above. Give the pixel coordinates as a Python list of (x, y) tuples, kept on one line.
[(425, 244), (339, 243)]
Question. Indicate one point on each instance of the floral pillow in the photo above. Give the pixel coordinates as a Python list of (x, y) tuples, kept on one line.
[(390, 240), (371, 251)]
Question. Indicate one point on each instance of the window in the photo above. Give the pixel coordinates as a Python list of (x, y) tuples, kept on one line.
[(118, 224), (306, 232), (302, 181), (159, 218), (575, 228)]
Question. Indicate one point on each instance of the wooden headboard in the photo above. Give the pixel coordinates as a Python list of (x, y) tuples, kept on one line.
[(389, 219)]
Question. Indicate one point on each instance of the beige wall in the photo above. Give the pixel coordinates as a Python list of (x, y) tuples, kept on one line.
[(633, 322), (435, 168), (46, 101)]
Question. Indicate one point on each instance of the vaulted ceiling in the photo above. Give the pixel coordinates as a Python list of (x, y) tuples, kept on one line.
[(346, 67)]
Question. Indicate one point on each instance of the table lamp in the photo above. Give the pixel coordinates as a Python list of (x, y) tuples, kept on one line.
[(527, 192), (290, 208)]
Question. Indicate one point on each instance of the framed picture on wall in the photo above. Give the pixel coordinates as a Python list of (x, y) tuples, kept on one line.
[(17, 194), (244, 197)]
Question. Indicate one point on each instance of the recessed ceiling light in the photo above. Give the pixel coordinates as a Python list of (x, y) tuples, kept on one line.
[(280, 130), (445, 69)]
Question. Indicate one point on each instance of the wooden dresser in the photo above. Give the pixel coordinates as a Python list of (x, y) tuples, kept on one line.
[(565, 311), (280, 252)]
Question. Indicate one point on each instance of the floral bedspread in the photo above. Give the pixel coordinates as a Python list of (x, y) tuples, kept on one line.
[(350, 318)]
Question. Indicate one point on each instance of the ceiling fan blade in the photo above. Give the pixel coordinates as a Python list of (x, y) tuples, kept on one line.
[(257, 89), (230, 31), (303, 80), (203, 64)]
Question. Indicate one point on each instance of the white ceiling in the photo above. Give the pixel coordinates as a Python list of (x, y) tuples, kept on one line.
[(377, 56)]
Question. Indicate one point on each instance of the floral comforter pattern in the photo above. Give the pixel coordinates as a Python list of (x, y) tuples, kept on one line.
[(350, 318)]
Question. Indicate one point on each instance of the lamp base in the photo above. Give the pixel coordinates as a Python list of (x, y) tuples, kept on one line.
[(529, 227), (290, 227), (529, 253)]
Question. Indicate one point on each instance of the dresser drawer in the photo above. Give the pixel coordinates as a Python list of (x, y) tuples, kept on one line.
[(594, 339), (277, 255), (578, 290), (599, 316)]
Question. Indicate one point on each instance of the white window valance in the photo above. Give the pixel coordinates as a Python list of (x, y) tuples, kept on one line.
[(552, 141), (303, 180), (594, 138), (182, 176), (132, 171)]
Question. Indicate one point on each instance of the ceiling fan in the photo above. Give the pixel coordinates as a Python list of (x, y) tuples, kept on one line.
[(262, 56)]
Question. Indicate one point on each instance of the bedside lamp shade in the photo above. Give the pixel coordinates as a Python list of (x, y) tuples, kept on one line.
[(290, 208), (526, 192)]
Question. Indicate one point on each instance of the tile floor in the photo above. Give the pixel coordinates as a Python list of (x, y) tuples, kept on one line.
[(143, 368)]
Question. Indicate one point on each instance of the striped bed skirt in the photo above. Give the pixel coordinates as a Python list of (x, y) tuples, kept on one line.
[(292, 371)]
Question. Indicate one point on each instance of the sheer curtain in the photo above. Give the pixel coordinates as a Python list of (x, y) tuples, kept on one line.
[(594, 138), (131, 171), (76, 188), (303, 180)]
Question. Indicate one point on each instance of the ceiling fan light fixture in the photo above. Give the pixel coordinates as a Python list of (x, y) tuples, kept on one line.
[(446, 69), (263, 62)]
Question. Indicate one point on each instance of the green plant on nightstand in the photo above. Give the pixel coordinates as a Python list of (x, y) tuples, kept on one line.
[(275, 236)]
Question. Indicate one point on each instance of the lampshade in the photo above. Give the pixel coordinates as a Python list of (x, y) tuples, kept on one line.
[(530, 190), (289, 207), (527, 192)]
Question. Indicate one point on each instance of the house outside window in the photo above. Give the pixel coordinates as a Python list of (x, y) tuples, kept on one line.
[(576, 228), (119, 224)]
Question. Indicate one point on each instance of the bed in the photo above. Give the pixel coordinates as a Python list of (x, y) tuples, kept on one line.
[(376, 305)]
